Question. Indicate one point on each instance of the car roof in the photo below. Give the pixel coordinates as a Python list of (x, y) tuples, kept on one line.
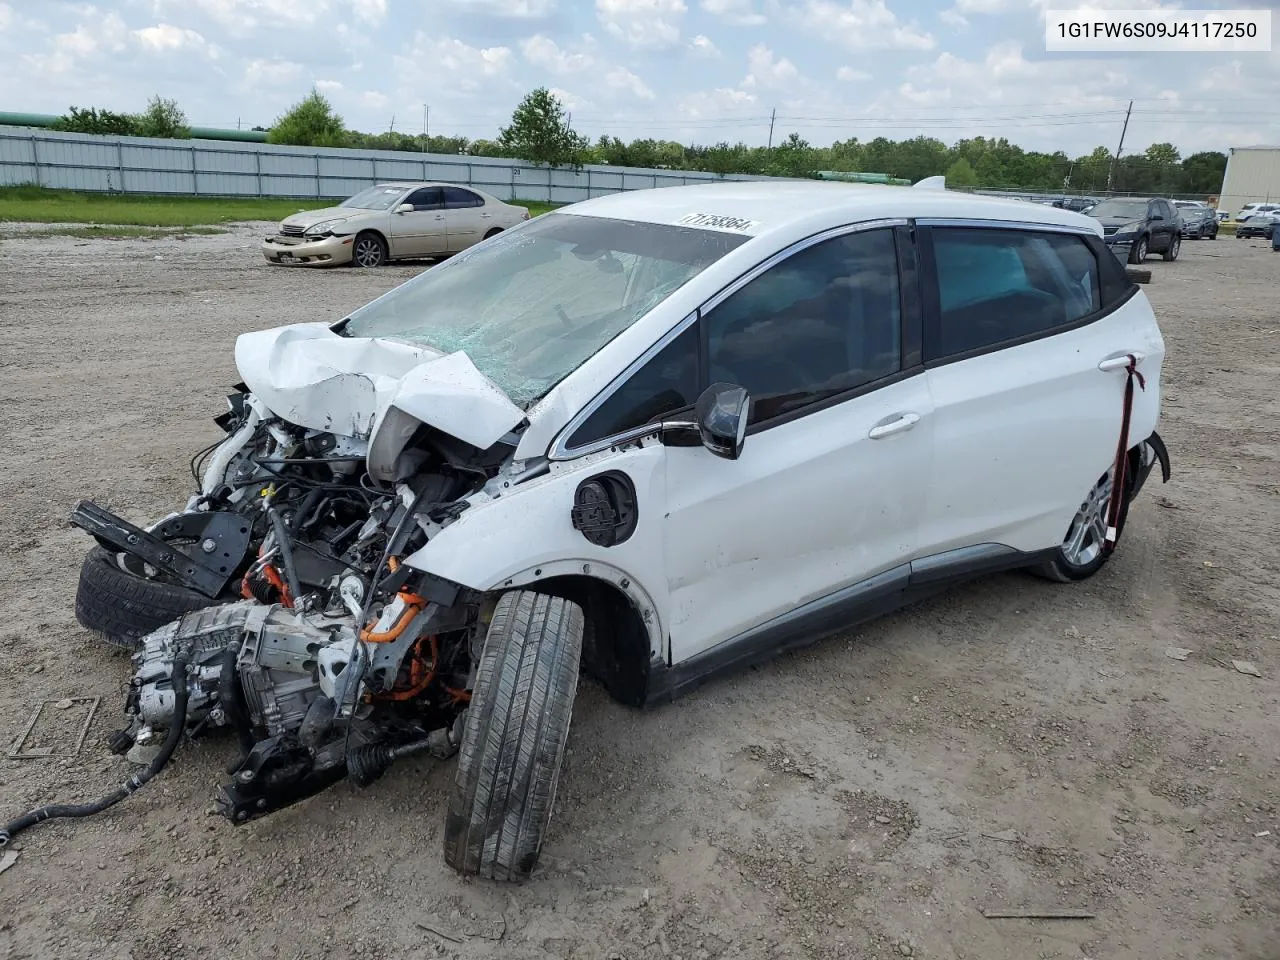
[(759, 208), (405, 184)]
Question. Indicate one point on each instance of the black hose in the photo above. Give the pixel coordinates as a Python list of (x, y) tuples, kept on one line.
[(61, 810), (286, 553)]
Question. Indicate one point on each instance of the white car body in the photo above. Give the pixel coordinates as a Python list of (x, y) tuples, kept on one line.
[(951, 465), (405, 220)]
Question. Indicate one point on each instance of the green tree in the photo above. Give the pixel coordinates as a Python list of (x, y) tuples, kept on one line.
[(791, 158), (163, 118), (1163, 154), (1203, 172), (961, 174), (91, 120), (540, 133), (311, 122)]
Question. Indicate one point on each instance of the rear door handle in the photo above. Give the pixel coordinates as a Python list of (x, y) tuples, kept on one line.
[(1120, 362), (895, 424)]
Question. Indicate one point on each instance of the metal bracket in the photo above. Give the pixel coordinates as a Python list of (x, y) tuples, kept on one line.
[(18, 752), (224, 538)]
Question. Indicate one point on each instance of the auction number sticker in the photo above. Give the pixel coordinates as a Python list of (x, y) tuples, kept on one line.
[(717, 221), (1121, 31)]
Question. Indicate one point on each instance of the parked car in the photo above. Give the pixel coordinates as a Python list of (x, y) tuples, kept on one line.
[(1258, 225), (1249, 209), (1136, 226), (391, 221), (1223, 216), (1198, 220), (666, 433)]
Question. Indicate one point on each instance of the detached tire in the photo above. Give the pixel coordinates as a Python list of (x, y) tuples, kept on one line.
[(513, 744), (123, 608)]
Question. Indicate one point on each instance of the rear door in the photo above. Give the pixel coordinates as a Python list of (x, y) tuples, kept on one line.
[(1023, 331), (465, 216), (421, 231)]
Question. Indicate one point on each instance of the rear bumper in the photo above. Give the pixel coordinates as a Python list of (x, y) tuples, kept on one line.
[(321, 252)]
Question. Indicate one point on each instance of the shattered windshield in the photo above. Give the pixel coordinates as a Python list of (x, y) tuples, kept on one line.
[(533, 304), (375, 198)]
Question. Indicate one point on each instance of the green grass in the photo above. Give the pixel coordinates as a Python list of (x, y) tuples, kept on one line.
[(34, 204), (111, 232)]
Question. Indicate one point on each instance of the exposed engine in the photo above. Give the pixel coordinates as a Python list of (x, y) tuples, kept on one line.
[(323, 654)]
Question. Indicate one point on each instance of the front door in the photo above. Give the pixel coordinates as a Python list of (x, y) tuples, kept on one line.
[(838, 451), (419, 232)]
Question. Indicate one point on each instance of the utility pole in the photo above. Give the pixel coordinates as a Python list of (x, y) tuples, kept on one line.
[(424, 128), (772, 117), (393, 124), (1111, 172)]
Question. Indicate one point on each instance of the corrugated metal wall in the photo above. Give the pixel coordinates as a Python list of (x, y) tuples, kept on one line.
[(75, 161), (1253, 174)]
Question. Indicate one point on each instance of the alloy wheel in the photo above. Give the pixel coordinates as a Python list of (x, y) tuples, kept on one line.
[(1088, 529), (367, 252)]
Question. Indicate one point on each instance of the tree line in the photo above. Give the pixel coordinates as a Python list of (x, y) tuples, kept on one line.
[(539, 132)]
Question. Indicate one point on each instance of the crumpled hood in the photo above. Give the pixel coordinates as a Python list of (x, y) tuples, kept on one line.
[(307, 217), (309, 375)]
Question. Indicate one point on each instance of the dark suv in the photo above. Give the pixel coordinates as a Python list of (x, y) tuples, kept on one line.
[(1136, 226), (1198, 220)]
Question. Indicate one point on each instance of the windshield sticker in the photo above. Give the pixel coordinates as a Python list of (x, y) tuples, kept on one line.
[(719, 222)]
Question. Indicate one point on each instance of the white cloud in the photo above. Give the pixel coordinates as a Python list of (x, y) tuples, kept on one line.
[(862, 25), (514, 9), (624, 81), (541, 51), (268, 75), (702, 44), (329, 86), (375, 99), (7, 15), (850, 75), (468, 70), (715, 103), (245, 16), (371, 12), (570, 101), (165, 37), (741, 12), (643, 23), (767, 72), (954, 18)]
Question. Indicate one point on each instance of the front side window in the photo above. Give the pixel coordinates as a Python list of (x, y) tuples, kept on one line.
[(997, 285), (537, 301), (824, 321), (425, 198)]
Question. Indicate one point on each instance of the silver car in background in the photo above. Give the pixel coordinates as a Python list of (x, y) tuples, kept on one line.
[(1199, 220), (391, 221)]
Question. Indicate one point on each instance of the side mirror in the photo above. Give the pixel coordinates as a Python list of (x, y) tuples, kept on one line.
[(721, 416), (405, 208)]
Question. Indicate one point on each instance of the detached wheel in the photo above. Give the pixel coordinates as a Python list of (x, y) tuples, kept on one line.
[(1081, 554), (514, 740), (1175, 246), (368, 250), (1139, 251), (123, 605)]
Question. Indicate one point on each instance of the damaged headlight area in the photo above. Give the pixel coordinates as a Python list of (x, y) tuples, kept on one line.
[(324, 228)]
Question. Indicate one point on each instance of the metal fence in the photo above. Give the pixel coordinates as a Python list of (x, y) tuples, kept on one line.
[(75, 161)]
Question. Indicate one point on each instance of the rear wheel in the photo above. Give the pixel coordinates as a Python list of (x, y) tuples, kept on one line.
[(513, 744), (493, 233), (1082, 552), (1175, 246), (368, 250)]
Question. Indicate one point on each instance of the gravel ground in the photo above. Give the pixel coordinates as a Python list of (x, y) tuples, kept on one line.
[(1012, 744)]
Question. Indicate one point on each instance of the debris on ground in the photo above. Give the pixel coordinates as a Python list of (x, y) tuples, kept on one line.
[(1177, 653), (8, 860), (1246, 667), (1037, 913)]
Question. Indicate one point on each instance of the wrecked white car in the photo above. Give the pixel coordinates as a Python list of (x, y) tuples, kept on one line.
[(660, 435)]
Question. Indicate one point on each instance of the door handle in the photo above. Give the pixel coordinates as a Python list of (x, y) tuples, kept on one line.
[(1120, 362), (486, 215), (895, 424)]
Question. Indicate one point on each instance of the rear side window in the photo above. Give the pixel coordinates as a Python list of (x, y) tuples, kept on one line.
[(668, 382), (1115, 282), (455, 198), (995, 286)]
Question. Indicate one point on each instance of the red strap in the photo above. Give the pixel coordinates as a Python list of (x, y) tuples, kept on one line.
[(1116, 503)]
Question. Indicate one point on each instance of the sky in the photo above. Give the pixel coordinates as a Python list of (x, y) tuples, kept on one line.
[(689, 70)]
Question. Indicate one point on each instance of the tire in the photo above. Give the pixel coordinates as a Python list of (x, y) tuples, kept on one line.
[(1139, 251), (123, 608), (368, 250), (493, 233), (1066, 565), (1175, 245), (514, 740)]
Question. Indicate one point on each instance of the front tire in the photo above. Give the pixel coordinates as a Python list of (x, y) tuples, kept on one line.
[(121, 607), (514, 740), (1139, 251), (368, 250)]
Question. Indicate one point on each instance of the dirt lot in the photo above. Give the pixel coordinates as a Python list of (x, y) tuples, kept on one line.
[(1014, 744)]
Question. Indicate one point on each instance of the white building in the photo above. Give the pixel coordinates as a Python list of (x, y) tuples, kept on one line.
[(1253, 174)]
